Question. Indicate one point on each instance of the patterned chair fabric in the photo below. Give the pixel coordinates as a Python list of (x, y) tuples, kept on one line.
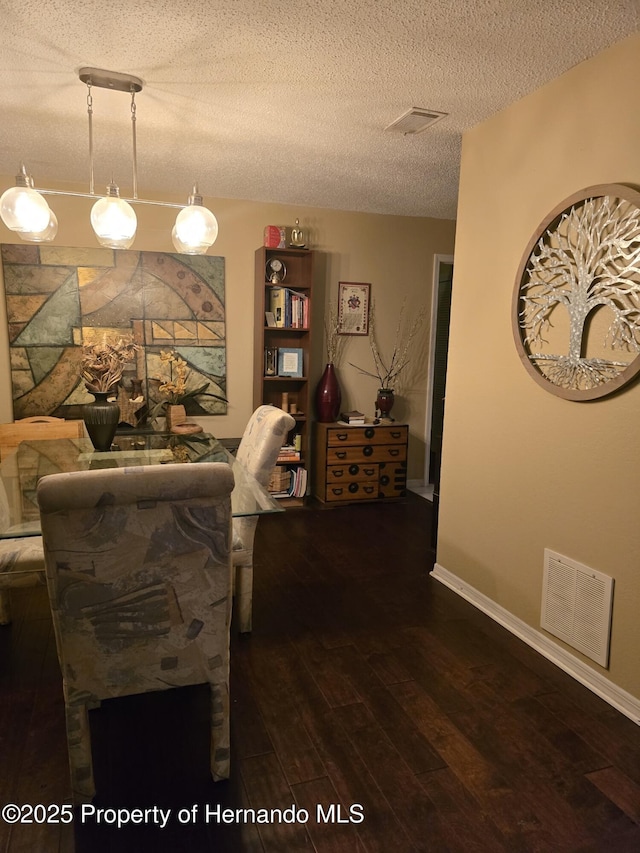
[(22, 559), (139, 579), (21, 564), (258, 450)]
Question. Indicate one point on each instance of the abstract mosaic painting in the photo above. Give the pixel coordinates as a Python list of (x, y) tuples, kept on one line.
[(60, 298)]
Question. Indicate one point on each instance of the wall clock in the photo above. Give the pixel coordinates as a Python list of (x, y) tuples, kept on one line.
[(576, 304)]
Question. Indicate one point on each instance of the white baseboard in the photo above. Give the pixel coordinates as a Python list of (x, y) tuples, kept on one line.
[(602, 687)]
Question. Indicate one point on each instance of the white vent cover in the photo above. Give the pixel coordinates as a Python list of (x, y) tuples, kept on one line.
[(415, 120), (576, 605)]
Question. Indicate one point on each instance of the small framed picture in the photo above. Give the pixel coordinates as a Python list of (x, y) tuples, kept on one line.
[(290, 361), (270, 319), (353, 308)]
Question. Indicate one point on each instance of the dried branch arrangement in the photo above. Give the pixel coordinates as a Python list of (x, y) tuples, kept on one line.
[(387, 372), (334, 341), (103, 363)]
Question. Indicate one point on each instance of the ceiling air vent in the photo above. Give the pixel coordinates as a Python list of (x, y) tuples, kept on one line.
[(415, 120)]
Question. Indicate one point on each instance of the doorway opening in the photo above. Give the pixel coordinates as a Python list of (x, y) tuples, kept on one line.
[(440, 317)]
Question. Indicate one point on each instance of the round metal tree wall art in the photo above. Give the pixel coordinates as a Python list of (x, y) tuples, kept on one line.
[(576, 312)]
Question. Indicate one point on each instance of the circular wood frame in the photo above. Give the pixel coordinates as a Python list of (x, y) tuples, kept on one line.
[(604, 387)]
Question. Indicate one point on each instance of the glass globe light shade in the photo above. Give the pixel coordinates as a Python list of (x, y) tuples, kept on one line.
[(196, 227), (23, 209), (44, 236), (113, 220)]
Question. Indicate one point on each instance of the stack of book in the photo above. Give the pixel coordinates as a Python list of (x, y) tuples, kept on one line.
[(290, 308), (294, 484), (298, 488), (353, 418), (280, 480), (288, 453)]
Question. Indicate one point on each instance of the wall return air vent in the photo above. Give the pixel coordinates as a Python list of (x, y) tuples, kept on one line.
[(576, 606), (415, 120)]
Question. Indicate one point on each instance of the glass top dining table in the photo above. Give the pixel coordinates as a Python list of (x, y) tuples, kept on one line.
[(21, 470)]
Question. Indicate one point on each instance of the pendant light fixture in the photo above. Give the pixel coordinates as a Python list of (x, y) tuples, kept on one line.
[(114, 221), (24, 209), (196, 227)]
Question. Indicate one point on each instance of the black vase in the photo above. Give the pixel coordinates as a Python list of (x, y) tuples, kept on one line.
[(101, 420)]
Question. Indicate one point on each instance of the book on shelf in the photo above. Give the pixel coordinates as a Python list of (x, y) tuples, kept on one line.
[(280, 480), (289, 484), (298, 488), (288, 453), (296, 310), (289, 308), (353, 418), (276, 305)]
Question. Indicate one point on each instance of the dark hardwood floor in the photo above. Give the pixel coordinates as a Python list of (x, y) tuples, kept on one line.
[(367, 690)]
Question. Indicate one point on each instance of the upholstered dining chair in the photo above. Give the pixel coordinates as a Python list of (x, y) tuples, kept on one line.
[(257, 452), (21, 559), (139, 579)]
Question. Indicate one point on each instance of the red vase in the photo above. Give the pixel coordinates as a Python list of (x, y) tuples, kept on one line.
[(328, 396)]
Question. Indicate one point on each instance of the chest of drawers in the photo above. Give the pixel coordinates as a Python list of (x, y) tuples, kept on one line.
[(360, 463)]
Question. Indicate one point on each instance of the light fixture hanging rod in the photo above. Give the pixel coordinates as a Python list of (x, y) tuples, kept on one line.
[(93, 195), (23, 208), (110, 80)]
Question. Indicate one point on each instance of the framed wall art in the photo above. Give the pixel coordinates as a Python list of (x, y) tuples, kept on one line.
[(353, 308), (576, 303), (59, 299)]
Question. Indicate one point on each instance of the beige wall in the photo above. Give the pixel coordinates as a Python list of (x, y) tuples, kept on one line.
[(394, 254), (522, 468)]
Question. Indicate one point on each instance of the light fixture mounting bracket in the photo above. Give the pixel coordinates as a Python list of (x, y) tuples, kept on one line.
[(110, 80)]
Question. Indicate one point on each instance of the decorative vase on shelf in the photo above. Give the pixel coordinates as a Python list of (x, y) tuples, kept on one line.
[(101, 419), (384, 402), (328, 396)]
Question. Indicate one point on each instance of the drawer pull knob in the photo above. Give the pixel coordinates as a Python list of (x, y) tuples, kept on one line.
[(369, 471), (384, 480), (341, 436), (353, 469), (396, 434), (369, 433), (337, 491), (341, 454), (394, 452), (367, 450), (353, 488), (369, 490), (338, 472)]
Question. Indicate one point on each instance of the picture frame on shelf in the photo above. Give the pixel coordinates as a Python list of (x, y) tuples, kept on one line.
[(270, 319), (290, 361), (353, 307)]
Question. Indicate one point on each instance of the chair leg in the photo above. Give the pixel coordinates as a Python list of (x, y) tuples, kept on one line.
[(244, 595), (79, 747), (220, 730), (5, 607)]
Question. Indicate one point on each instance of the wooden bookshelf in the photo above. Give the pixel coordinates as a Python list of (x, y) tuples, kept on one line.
[(292, 341)]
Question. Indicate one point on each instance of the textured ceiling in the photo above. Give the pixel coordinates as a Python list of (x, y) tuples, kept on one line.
[(273, 100)]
